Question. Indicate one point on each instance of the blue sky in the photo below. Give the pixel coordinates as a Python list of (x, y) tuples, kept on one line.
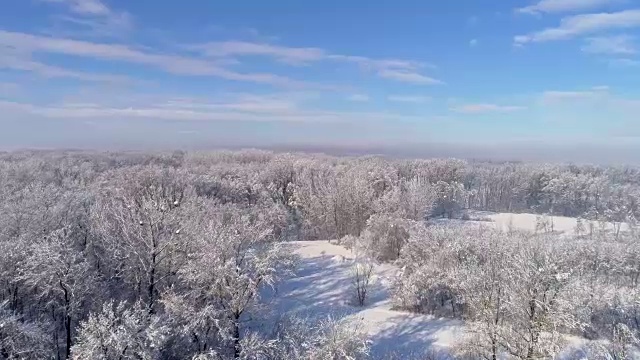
[(116, 73)]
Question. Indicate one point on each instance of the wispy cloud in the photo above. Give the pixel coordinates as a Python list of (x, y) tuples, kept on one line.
[(395, 69), (558, 6), (358, 98), (557, 96), (584, 24), (94, 15), (408, 76), (175, 64), (85, 7), (182, 64), (473, 42), (90, 7), (290, 55), (408, 98), (485, 108), (616, 45), (22, 62), (252, 109)]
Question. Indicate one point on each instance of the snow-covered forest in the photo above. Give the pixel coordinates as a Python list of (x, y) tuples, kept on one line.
[(260, 255)]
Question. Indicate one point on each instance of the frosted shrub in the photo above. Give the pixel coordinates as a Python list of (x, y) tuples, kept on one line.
[(384, 237), (349, 241), (328, 339), (431, 277), (361, 272), (429, 291)]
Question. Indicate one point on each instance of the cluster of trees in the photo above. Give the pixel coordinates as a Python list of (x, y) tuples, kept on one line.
[(126, 256), (521, 293), (163, 256), (580, 191)]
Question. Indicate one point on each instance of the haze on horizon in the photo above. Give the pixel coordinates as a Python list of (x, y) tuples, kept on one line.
[(549, 80)]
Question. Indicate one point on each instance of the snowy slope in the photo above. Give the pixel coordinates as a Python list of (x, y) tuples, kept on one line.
[(322, 286)]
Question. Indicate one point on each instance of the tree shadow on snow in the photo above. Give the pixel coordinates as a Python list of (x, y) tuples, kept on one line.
[(320, 287), (409, 337)]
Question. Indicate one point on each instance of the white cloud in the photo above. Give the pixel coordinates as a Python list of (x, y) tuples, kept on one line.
[(22, 62), (380, 64), (358, 98), (175, 64), (250, 108), (408, 76), (555, 96), (569, 95), (395, 69), (399, 70), (558, 6), (96, 16), (242, 48), (408, 98), (584, 24), (485, 108), (618, 44), (85, 7)]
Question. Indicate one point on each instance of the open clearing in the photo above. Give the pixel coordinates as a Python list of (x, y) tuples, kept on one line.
[(562, 225), (322, 286)]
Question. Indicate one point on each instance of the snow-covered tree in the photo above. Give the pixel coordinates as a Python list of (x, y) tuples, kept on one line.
[(233, 256), (120, 332), (139, 224), (450, 198), (540, 304), (321, 339), (20, 339), (489, 291), (61, 280)]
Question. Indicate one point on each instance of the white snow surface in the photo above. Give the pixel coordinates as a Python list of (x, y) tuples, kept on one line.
[(322, 286), (562, 225)]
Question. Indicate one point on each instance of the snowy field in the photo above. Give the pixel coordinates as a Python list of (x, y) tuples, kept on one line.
[(562, 225), (323, 286)]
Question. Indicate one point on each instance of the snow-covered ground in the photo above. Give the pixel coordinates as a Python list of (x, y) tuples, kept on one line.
[(322, 286), (562, 225)]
